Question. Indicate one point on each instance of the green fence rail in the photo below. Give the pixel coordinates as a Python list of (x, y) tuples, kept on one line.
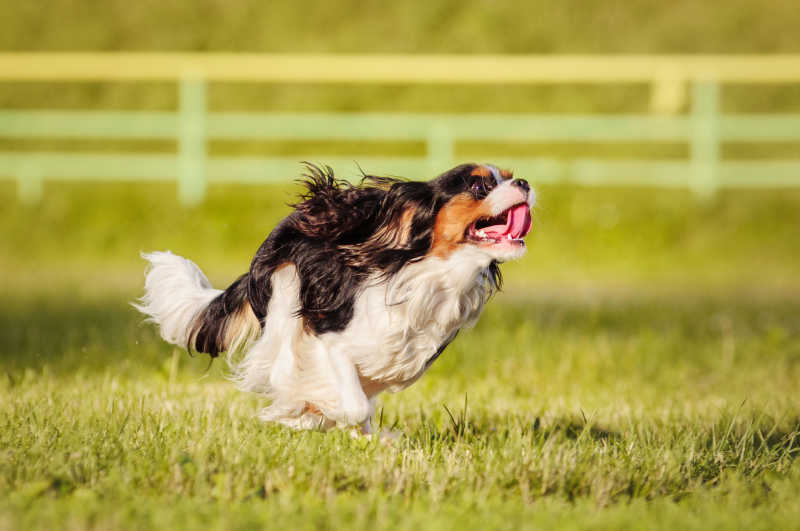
[(704, 129)]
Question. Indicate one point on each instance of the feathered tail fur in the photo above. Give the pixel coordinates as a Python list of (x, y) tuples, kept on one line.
[(190, 313)]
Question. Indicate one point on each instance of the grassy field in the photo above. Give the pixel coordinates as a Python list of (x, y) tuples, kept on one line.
[(639, 371)]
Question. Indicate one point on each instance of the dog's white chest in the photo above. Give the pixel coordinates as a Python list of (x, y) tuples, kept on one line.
[(400, 325)]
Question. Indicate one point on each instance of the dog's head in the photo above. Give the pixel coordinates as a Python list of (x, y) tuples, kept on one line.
[(484, 207)]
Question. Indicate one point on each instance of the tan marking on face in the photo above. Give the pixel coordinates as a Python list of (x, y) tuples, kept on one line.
[(453, 219), (481, 171), (486, 171)]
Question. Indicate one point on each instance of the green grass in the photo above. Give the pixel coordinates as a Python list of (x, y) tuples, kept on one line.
[(635, 414), (639, 371)]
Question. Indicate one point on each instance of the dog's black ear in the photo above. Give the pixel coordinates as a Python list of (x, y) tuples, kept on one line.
[(495, 276), (455, 180), (401, 229)]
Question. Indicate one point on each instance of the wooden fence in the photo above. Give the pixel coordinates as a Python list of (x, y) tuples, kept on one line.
[(673, 79)]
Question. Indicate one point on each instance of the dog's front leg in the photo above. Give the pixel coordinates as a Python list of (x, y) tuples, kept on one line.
[(352, 407)]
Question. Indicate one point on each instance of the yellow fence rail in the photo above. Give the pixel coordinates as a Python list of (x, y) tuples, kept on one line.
[(673, 80)]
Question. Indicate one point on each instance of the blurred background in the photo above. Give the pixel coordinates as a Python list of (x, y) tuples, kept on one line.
[(666, 176)]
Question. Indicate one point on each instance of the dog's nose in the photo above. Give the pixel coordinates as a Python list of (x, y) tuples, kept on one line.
[(522, 183)]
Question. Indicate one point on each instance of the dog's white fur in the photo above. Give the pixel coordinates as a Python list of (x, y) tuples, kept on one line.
[(175, 292)]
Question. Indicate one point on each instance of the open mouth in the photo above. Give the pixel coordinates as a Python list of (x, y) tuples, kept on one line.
[(511, 225)]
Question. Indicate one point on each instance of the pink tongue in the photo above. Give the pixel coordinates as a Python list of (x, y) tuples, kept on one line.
[(518, 224)]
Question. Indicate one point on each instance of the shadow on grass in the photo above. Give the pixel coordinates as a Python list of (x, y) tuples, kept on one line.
[(460, 427), (742, 438), (67, 336)]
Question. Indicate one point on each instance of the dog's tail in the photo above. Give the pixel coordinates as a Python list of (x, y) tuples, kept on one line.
[(190, 313)]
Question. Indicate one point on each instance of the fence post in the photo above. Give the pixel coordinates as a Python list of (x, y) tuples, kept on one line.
[(440, 148), (192, 141), (704, 146), (668, 91)]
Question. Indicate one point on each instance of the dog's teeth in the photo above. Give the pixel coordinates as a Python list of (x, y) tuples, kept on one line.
[(509, 236), (481, 234)]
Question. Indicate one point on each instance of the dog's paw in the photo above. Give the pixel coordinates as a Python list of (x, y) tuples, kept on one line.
[(354, 412)]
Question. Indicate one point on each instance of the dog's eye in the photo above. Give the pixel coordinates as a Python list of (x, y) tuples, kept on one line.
[(478, 187)]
